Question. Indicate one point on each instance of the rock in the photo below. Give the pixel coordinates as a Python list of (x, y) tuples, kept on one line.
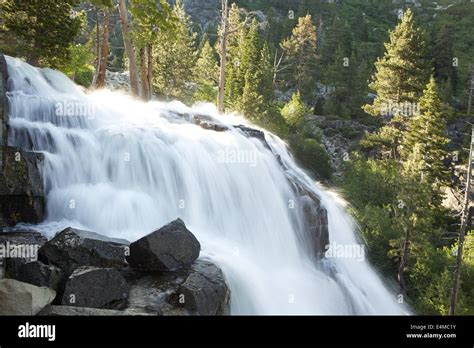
[(72, 248), (209, 123), (315, 218), (78, 311), (199, 290), (35, 273), (3, 101), (171, 247), (83, 311), (18, 298), (316, 223), (204, 292), (21, 187), (25, 245), (95, 287)]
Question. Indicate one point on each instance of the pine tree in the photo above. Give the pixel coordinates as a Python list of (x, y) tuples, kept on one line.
[(400, 77), (300, 57), (44, 31), (175, 57), (206, 73), (403, 71), (424, 145)]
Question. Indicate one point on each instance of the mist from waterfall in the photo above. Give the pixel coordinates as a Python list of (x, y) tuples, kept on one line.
[(124, 168)]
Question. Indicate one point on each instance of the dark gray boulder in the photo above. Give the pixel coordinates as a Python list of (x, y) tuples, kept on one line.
[(199, 290), (21, 187), (96, 288), (204, 292), (36, 273), (72, 248), (29, 241), (171, 247)]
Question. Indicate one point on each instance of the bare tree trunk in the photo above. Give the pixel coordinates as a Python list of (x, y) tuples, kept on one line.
[(220, 101), (149, 49), (97, 42), (404, 261), (104, 52), (143, 75), (464, 220), (132, 64)]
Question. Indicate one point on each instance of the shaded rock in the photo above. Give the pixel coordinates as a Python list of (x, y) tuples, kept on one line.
[(83, 311), (254, 133), (24, 244), (72, 248), (171, 247), (95, 287), (35, 273), (207, 122), (18, 298), (3, 101), (204, 292), (21, 187), (199, 290), (316, 223)]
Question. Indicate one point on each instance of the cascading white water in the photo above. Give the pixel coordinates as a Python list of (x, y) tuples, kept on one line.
[(123, 168)]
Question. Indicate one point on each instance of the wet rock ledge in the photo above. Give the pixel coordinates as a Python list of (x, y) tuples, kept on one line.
[(85, 273)]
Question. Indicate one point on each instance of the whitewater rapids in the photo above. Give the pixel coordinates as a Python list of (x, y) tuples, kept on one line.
[(123, 168)]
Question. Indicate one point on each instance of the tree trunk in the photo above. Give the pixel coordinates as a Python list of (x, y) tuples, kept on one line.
[(132, 64), (464, 222), (143, 75), (220, 101), (104, 52), (149, 49), (403, 262), (97, 46)]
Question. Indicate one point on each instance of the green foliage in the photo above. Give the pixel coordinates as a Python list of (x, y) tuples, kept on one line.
[(403, 71), (206, 72), (300, 57), (79, 67), (41, 31), (424, 145), (175, 57), (295, 111), (312, 155)]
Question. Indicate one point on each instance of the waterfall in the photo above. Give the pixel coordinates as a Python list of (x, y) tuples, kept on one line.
[(124, 168)]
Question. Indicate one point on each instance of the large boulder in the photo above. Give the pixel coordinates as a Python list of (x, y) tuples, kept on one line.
[(18, 298), (21, 187), (204, 292), (72, 248), (171, 247), (199, 290), (35, 272), (22, 245), (96, 288)]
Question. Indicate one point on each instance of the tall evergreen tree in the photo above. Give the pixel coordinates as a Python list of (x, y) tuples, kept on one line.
[(44, 31), (424, 145), (300, 57), (403, 71), (175, 57), (400, 77), (206, 73)]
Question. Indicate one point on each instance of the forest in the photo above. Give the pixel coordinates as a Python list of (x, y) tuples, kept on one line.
[(373, 97)]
